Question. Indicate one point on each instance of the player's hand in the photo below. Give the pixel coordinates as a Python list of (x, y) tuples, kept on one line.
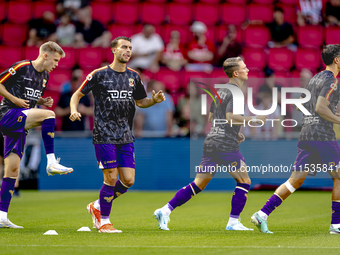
[(159, 97), (75, 116), (261, 117), (22, 103), (240, 138), (48, 102), (337, 114)]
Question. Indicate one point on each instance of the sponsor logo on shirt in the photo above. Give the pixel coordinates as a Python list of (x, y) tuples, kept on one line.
[(32, 94), (123, 94)]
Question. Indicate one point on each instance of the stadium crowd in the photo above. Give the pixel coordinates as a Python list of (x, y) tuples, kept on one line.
[(174, 43)]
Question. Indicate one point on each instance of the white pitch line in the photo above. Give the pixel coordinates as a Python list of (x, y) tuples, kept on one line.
[(168, 246)]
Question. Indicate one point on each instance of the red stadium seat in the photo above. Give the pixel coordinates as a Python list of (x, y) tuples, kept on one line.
[(254, 58), (256, 36), (171, 79), (120, 30), (125, 13), (263, 1), (31, 53), (332, 35), (292, 2), (222, 32), (101, 12), (193, 76), (218, 76), (207, 13), (57, 77), (156, 1), (179, 13), (42, 6), (307, 58), (2, 10), (280, 59), (107, 56), (289, 12), (237, 1), (90, 57), (152, 13), (184, 1), (9, 55), (310, 36), (210, 1), (14, 34), (70, 58), (260, 12), (19, 12), (130, 1), (233, 14), (183, 30)]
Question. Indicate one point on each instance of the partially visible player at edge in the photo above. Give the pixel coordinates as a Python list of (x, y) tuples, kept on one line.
[(220, 147), (22, 86), (116, 90), (317, 143)]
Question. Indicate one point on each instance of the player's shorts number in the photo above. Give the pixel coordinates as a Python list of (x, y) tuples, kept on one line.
[(19, 119)]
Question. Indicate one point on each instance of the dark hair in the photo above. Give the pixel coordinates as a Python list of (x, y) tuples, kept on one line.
[(114, 42), (329, 53), (278, 9), (230, 65)]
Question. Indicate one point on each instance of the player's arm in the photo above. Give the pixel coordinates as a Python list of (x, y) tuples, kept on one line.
[(48, 101), (326, 95), (21, 103), (148, 102), (322, 109), (211, 117), (75, 115), (239, 120)]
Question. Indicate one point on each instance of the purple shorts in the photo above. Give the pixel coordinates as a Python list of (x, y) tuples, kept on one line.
[(230, 161), (115, 155), (317, 155), (12, 126)]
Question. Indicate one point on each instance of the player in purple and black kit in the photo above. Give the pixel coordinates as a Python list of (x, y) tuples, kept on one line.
[(22, 86), (220, 147), (116, 90), (317, 146)]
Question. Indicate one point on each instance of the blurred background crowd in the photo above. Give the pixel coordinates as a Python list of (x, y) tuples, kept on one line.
[(175, 43)]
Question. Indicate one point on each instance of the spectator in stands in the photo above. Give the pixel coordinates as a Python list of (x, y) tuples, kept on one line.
[(333, 12), (268, 86), (156, 120), (70, 6), (63, 108), (189, 108), (147, 50), (173, 55), (201, 50), (229, 47), (309, 12), (42, 30), (282, 33), (89, 31), (66, 31)]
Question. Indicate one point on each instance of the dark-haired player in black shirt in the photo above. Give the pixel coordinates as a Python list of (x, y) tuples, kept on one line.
[(116, 90), (22, 86), (318, 149)]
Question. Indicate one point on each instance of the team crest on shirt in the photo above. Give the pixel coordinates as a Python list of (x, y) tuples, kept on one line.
[(44, 83), (131, 82)]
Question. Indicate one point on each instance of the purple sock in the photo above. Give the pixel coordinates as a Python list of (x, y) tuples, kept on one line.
[(273, 202), (47, 133), (120, 189), (335, 213), (105, 200), (239, 199), (184, 195), (6, 192)]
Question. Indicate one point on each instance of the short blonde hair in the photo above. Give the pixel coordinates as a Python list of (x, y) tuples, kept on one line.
[(52, 47), (230, 65)]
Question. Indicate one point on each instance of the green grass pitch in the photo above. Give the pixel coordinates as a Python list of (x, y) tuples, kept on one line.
[(300, 225)]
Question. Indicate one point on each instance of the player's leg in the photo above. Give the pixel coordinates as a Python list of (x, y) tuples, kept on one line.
[(240, 194), (12, 164), (186, 193), (281, 193), (335, 223), (46, 119), (181, 197)]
